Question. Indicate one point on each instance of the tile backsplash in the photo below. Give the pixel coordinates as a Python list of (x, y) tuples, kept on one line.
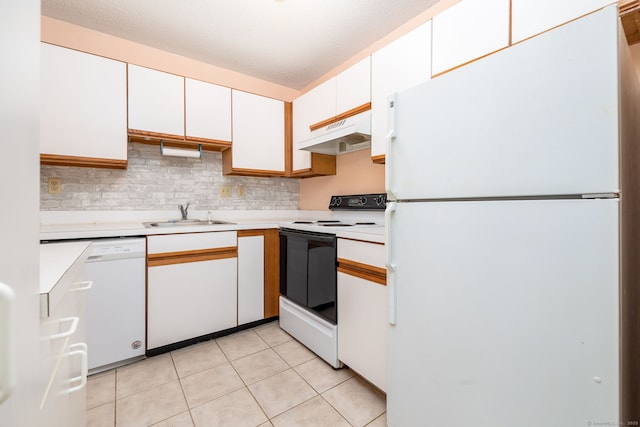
[(156, 182)]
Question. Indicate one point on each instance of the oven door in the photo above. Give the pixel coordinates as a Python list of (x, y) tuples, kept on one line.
[(308, 271)]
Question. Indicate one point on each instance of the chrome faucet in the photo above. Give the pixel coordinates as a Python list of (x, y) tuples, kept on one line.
[(184, 210)]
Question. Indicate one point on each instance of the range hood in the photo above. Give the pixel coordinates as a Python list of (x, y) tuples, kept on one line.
[(345, 136)]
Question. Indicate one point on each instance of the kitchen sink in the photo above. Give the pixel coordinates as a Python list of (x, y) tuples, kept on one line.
[(185, 222)]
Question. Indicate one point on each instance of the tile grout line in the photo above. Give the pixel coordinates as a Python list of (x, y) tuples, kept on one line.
[(184, 395)]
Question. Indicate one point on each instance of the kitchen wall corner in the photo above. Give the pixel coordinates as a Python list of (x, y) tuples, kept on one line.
[(355, 174), (154, 182)]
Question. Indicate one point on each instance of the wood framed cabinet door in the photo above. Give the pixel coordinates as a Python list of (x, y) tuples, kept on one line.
[(83, 109), (258, 147)]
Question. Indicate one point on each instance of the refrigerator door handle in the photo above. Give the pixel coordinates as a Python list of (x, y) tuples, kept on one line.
[(391, 267), (7, 380), (391, 136)]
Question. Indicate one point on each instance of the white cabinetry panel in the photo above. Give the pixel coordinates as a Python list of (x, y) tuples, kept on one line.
[(83, 104), (469, 30), (190, 241), (398, 66), (191, 299), (530, 17), (156, 101), (208, 110), (353, 86), (258, 132), (314, 106), (250, 279), (362, 329)]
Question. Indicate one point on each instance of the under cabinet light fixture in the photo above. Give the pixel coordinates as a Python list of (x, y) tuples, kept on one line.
[(180, 152)]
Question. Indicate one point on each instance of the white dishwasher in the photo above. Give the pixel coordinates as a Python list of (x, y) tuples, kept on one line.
[(115, 305)]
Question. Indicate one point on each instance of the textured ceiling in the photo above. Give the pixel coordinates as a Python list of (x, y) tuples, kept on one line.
[(288, 42)]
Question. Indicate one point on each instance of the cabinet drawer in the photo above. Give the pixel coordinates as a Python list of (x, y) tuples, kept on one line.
[(362, 252), (190, 242)]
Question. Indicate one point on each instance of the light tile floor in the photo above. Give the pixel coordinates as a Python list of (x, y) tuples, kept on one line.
[(255, 378)]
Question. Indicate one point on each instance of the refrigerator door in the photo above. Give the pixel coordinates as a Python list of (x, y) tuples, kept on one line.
[(507, 313), (538, 118)]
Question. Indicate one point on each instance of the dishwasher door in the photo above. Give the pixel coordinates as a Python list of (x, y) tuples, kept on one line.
[(115, 307)]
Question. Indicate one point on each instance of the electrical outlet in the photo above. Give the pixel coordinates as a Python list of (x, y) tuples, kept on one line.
[(55, 185), (240, 191), (224, 191)]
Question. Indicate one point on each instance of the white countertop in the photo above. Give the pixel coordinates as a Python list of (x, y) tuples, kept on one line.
[(94, 225), (56, 259), (367, 234)]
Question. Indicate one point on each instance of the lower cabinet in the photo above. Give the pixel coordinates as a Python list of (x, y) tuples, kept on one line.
[(63, 348), (250, 277), (362, 309), (202, 283), (191, 286)]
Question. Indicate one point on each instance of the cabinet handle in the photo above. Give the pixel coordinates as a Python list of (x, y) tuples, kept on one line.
[(391, 136), (72, 328), (79, 349), (83, 286), (391, 267), (7, 380)]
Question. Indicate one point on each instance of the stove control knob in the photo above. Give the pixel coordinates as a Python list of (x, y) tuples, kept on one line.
[(336, 201), (380, 200), (363, 201)]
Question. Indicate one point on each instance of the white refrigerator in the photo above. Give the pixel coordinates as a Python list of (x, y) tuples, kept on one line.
[(512, 255)]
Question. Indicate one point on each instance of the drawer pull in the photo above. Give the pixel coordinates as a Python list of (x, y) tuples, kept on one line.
[(72, 328), (79, 349), (83, 286)]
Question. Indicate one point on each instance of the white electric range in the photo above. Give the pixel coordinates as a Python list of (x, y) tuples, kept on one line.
[(308, 275)]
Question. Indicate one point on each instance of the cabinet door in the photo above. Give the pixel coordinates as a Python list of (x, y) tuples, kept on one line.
[(314, 106), (362, 330), (468, 30), (531, 17), (353, 86), (189, 300), (250, 279), (398, 66), (208, 110), (258, 132), (156, 101), (83, 105)]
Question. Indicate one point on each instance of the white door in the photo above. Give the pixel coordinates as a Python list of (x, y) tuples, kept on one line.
[(539, 118), (506, 310), (19, 219)]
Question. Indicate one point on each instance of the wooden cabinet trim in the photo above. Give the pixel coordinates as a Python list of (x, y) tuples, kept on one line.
[(178, 141), (369, 242), (288, 138), (379, 159), (349, 113), (168, 258), (363, 271), (89, 162), (271, 272), (251, 233)]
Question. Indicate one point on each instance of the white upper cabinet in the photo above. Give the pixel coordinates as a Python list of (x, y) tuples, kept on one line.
[(314, 106), (531, 17), (353, 86), (398, 66), (468, 30), (83, 105), (156, 101), (258, 133), (208, 110)]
